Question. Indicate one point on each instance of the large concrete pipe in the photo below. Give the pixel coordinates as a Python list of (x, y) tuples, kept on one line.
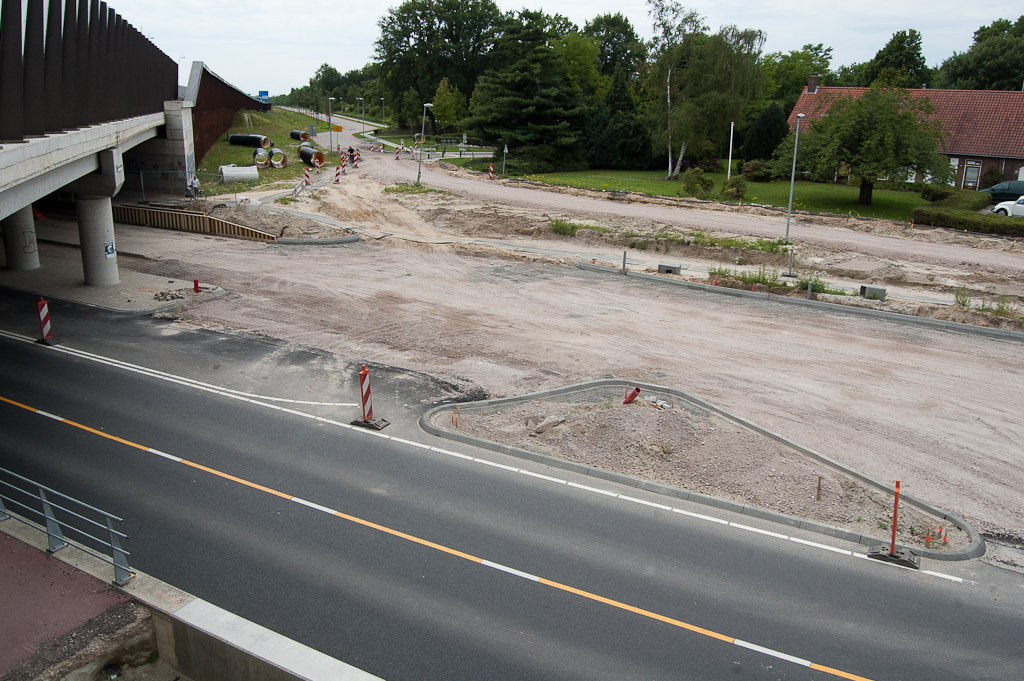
[(261, 158), (261, 141), (277, 158), (305, 144), (312, 157), (300, 135), (236, 174)]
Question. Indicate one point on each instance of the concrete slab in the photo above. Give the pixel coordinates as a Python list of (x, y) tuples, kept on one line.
[(60, 277)]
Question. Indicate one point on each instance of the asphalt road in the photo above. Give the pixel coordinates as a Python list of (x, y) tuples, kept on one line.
[(599, 587)]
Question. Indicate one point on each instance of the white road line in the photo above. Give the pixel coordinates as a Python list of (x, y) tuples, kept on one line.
[(700, 516), (164, 454), (592, 489), (511, 571), (774, 653), (951, 578), (816, 545), (758, 530), (318, 507), (172, 378), (645, 502), (49, 415), (496, 465), (457, 455), (558, 481)]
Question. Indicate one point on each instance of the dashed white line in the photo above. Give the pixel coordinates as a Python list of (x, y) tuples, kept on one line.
[(511, 571), (774, 653), (758, 530), (318, 507), (644, 502)]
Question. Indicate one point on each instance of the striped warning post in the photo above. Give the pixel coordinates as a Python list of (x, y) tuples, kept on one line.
[(337, 174), (305, 175), (344, 165), (397, 152), (356, 160), (490, 172), (44, 321), (364, 389)]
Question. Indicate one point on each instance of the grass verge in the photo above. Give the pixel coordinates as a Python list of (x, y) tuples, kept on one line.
[(811, 196)]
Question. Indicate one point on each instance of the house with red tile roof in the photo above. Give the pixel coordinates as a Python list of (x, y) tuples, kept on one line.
[(983, 128)]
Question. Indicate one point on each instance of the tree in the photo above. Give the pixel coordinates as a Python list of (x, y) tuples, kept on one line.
[(615, 135), (422, 41), (766, 133), (786, 75), (885, 134), (617, 41), (903, 51), (580, 54), (530, 104), (708, 82), (449, 105), (994, 62)]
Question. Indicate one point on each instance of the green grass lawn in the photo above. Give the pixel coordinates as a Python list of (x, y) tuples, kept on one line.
[(275, 124), (811, 196)]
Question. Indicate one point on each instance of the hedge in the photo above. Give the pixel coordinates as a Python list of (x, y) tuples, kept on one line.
[(960, 211), (970, 221)]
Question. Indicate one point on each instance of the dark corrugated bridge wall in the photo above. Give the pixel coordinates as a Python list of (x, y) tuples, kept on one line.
[(88, 66), (214, 110)]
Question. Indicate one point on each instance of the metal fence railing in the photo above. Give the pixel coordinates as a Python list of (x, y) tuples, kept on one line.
[(34, 500)]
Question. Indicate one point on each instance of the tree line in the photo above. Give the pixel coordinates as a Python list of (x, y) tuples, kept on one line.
[(564, 97)]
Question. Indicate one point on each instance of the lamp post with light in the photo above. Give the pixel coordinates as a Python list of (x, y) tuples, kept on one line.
[(361, 119), (330, 126), (383, 123), (792, 181), (423, 130)]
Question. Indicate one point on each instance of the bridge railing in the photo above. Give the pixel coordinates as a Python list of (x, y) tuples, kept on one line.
[(75, 65), (75, 517)]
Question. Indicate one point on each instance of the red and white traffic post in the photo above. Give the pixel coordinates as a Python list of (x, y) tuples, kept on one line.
[(45, 327), (367, 402), (490, 172), (305, 175), (337, 174)]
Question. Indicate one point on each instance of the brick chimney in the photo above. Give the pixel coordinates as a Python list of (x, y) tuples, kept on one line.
[(812, 84)]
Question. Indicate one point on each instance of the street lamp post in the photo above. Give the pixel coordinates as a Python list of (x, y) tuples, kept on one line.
[(330, 127), (792, 181), (361, 118), (423, 130), (383, 123)]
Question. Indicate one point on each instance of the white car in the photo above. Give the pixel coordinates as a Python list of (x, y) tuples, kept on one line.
[(1015, 208)]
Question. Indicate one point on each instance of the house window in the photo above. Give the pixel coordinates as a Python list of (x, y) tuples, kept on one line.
[(971, 174)]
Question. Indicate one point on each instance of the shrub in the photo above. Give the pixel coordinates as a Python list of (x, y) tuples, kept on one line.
[(757, 171), (695, 183), (937, 192), (964, 200), (991, 177), (564, 228), (734, 188)]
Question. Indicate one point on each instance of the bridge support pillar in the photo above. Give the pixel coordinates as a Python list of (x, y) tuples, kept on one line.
[(20, 240), (96, 234)]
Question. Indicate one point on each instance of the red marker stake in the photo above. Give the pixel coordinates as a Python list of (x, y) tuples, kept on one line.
[(895, 508)]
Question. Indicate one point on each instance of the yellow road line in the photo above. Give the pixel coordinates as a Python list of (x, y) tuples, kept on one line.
[(454, 552)]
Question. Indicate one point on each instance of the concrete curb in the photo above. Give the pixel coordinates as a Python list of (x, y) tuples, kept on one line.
[(699, 406), (199, 639), (896, 317)]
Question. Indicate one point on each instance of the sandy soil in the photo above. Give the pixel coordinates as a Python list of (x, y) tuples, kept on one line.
[(705, 454), (424, 290)]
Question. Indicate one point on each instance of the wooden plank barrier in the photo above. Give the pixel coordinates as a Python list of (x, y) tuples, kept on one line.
[(186, 221)]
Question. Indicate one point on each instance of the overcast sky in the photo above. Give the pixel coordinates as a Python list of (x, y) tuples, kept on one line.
[(276, 45)]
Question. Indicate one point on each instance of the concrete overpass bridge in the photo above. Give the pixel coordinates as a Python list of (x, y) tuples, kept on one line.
[(86, 95)]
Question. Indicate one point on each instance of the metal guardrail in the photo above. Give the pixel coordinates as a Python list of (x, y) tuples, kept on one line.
[(23, 493), (186, 221)]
